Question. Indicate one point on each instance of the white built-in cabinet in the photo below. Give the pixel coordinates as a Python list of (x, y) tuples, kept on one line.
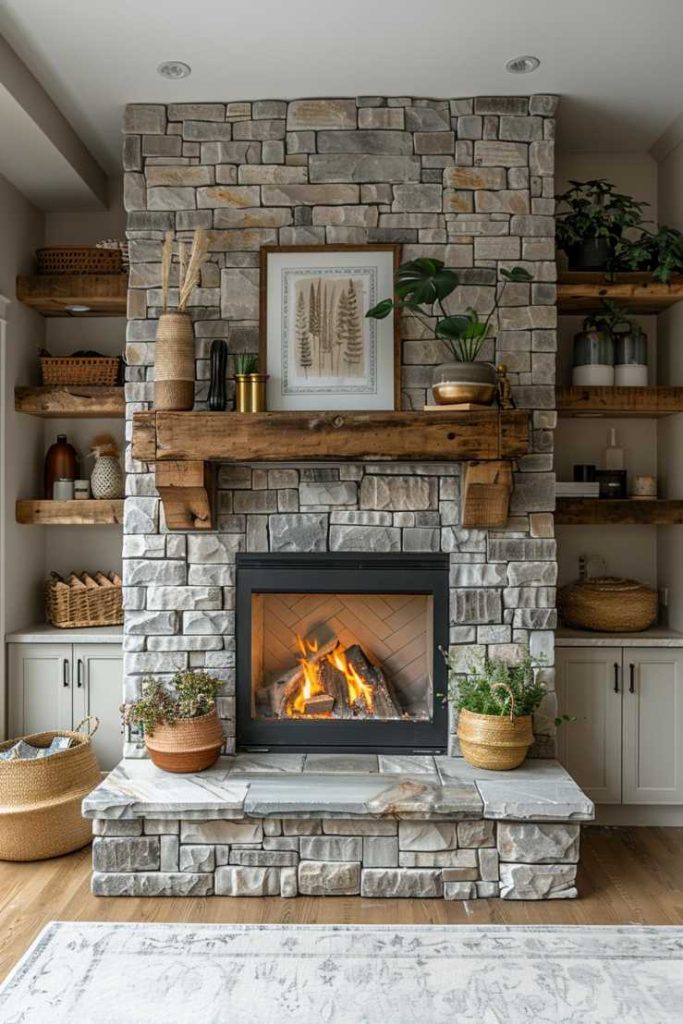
[(55, 685), (626, 743)]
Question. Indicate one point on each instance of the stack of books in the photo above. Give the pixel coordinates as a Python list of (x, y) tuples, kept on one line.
[(577, 489)]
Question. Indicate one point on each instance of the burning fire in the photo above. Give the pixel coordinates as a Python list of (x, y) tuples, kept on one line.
[(359, 692)]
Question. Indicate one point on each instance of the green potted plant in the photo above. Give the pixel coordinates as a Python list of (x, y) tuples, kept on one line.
[(660, 252), (181, 726), (592, 225), (421, 287), (495, 702)]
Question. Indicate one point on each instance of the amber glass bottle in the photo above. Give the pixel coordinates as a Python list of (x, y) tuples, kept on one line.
[(61, 462)]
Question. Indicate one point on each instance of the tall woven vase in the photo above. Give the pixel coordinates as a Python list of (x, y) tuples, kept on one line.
[(174, 363)]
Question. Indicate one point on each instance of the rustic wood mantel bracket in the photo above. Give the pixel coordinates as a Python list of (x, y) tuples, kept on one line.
[(182, 447)]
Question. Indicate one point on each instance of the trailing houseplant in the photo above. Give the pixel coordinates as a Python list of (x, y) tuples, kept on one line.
[(593, 223), (180, 724), (421, 288), (495, 703), (660, 252)]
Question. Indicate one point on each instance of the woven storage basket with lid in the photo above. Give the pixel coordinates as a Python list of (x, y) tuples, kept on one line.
[(608, 604), (40, 800)]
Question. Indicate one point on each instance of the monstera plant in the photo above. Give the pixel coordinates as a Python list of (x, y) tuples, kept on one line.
[(421, 288)]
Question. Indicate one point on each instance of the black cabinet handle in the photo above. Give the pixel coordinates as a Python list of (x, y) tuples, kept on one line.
[(79, 673), (632, 678), (616, 677), (65, 673)]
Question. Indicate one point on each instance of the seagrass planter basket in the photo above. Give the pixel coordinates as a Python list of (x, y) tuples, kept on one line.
[(189, 745), (496, 742), (40, 799), (608, 604)]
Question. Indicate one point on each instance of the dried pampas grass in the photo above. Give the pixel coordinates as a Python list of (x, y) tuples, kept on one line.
[(200, 247), (188, 270), (104, 444)]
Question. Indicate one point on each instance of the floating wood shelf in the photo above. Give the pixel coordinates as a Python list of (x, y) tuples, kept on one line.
[(57, 401), (50, 294), (580, 292), (182, 443), (615, 511), (619, 402), (92, 512)]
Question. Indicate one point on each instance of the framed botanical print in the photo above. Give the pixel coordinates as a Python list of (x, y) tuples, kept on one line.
[(316, 345)]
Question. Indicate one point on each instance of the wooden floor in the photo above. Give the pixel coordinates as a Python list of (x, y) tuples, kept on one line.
[(627, 876)]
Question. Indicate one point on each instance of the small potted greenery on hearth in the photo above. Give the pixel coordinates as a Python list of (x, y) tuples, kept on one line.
[(495, 703), (421, 287), (181, 726), (593, 222)]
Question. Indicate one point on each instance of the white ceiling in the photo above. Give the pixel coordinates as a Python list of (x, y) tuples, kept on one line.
[(616, 63)]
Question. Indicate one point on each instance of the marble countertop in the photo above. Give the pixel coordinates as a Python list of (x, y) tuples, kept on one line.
[(342, 786), (658, 636), (44, 633)]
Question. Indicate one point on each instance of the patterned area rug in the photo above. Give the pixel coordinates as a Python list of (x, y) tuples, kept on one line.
[(309, 974)]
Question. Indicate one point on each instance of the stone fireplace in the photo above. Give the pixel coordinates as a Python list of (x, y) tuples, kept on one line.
[(323, 595), (342, 652)]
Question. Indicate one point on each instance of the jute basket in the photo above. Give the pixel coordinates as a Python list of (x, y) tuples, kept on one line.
[(189, 745), (607, 604), (174, 363), (40, 800), (97, 602), (91, 370), (496, 742), (79, 259)]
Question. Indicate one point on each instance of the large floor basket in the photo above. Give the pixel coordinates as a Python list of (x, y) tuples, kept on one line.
[(40, 799)]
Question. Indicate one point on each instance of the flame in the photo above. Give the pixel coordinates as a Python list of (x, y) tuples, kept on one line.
[(359, 692)]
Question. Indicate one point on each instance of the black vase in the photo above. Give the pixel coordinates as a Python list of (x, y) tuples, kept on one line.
[(218, 397), (591, 254)]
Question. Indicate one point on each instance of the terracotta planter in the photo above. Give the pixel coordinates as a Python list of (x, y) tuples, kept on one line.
[(189, 745), (496, 742), (174, 363)]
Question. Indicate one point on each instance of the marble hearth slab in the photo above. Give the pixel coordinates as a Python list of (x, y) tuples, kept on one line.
[(271, 785), (137, 788)]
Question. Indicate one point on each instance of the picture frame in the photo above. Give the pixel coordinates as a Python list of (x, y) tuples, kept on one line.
[(315, 343)]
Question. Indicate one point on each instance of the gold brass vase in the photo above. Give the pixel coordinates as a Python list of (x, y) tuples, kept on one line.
[(250, 392)]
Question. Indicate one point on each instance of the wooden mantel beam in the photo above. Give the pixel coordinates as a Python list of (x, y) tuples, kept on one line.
[(183, 444)]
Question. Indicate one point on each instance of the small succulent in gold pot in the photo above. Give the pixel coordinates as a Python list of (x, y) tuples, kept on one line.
[(421, 288), (250, 385)]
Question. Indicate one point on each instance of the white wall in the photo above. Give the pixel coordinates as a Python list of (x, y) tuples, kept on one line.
[(21, 441), (670, 356)]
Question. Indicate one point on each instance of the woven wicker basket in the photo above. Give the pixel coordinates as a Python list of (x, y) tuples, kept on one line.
[(40, 800), (607, 604), (97, 601), (496, 742), (93, 370), (78, 259), (189, 745)]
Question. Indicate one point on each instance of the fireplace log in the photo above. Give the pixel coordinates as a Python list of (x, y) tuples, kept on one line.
[(320, 704), (287, 686), (385, 704)]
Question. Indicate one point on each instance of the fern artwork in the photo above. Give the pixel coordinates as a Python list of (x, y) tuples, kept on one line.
[(321, 350)]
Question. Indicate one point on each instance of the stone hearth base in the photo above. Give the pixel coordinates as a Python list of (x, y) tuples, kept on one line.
[(338, 825)]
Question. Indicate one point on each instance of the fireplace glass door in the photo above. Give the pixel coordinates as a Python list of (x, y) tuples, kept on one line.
[(341, 652)]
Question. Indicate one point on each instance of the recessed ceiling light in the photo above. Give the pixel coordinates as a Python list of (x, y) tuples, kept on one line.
[(77, 309), (522, 65), (174, 69)]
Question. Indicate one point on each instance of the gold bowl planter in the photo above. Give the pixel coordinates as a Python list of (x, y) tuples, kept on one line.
[(456, 383), (496, 742)]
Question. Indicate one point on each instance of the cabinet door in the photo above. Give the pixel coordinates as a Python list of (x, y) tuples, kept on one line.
[(589, 687), (40, 688), (98, 681), (653, 725)]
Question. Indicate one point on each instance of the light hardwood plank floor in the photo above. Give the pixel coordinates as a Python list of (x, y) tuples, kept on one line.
[(627, 876)]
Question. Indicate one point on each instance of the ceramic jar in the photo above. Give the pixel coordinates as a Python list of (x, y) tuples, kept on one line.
[(593, 359), (630, 358), (456, 383)]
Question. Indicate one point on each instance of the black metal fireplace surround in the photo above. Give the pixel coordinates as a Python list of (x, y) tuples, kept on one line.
[(271, 590)]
